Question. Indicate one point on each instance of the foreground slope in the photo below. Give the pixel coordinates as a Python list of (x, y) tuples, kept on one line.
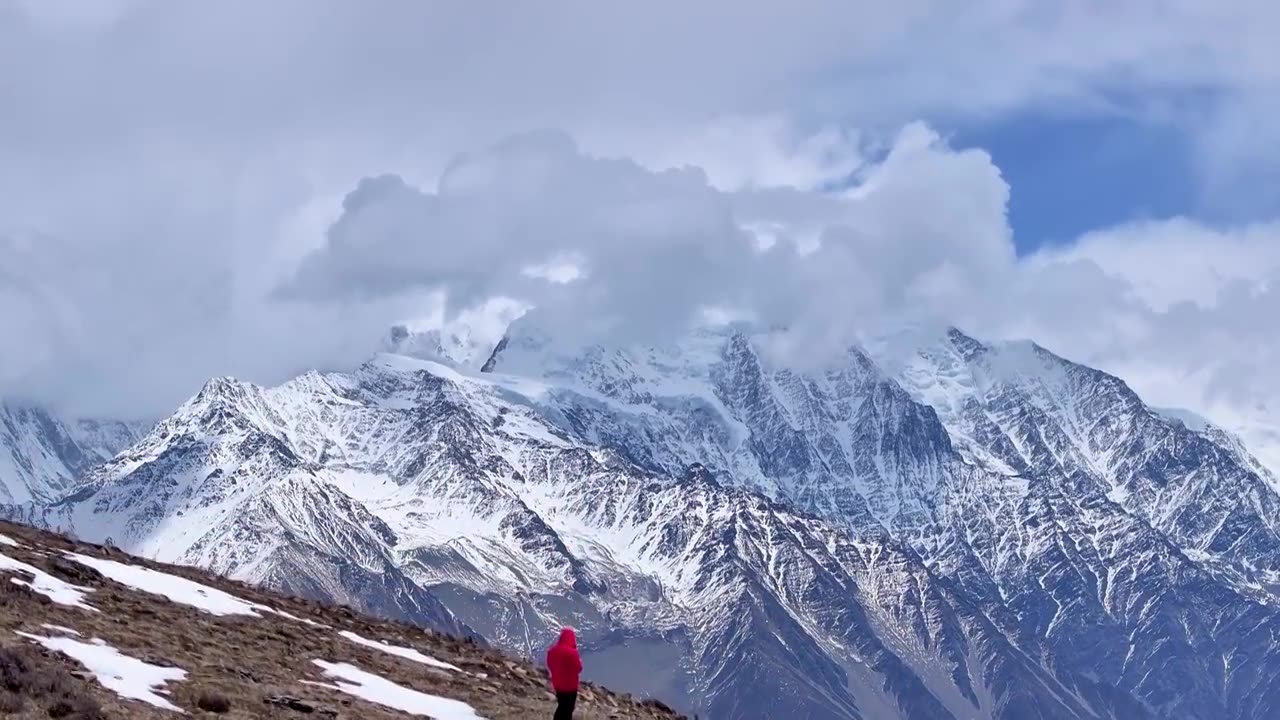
[(88, 632)]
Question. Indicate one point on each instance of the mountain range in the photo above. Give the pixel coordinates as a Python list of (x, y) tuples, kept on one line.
[(42, 454), (959, 530)]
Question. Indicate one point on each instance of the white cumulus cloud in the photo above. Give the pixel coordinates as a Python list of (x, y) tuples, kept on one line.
[(174, 173)]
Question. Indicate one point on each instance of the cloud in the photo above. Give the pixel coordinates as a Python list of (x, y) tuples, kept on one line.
[(171, 196), (528, 202), (653, 250), (410, 82), (1181, 309), (1195, 261), (741, 152), (1184, 311)]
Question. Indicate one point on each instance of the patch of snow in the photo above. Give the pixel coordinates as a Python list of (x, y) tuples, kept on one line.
[(176, 589), (6, 540), (59, 591), (288, 616), (1118, 495), (376, 689), (60, 629), (126, 676), (404, 652)]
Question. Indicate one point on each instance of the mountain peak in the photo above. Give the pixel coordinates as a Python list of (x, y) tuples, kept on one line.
[(967, 346), (223, 386)]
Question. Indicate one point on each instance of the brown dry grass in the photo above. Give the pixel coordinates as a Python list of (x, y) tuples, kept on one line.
[(235, 665)]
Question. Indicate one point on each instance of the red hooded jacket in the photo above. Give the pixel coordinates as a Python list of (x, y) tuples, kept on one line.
[(564, 663)]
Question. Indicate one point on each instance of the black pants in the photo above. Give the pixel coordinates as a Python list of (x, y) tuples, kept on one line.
[(564, 705)]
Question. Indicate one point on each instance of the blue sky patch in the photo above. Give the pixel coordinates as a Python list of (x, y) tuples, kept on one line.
[(1072, 174)]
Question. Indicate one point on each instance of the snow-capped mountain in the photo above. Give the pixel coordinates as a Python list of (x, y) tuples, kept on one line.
[(987, 460), (1022, 408), (973, 531), (457, 483), (42, 455)]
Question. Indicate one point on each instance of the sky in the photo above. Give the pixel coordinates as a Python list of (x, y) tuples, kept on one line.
[(1117, 169), (190, 189)]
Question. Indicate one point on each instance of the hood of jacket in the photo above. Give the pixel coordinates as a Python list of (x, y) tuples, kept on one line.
[(568, 638)]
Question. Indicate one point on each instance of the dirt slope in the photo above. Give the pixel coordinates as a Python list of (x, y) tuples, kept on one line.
[(238, 666)]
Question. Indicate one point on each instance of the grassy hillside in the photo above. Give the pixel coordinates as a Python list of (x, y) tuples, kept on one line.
[(87, 632)]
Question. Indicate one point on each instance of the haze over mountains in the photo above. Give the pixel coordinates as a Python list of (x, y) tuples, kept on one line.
[(964, 530)]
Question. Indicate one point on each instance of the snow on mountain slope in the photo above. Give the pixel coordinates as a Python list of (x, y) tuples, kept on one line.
[(1255, 447), (407, 482), (979, 532), (1047, 493), (1024, 408), (849, 444), (215, 487), (41, 455)]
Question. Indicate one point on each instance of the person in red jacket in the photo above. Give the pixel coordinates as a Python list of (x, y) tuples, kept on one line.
[(565, 665)]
